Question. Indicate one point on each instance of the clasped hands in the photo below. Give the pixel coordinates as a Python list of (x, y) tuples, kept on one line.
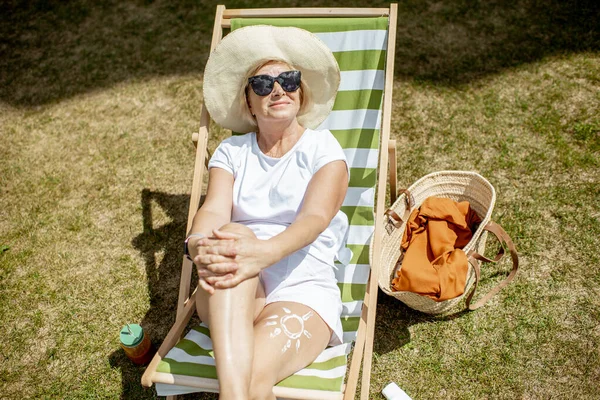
[(226, 259)]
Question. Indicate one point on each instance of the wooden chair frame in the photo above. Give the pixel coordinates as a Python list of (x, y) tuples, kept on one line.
[(363, 349)]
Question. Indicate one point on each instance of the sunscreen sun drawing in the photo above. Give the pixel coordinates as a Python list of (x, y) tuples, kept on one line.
[(292, 334)]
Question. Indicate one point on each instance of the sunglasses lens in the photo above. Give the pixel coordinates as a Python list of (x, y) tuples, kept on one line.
[(289, 81), (262, 84)]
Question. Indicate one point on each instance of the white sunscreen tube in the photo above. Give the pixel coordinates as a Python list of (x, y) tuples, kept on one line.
[(393, 392)]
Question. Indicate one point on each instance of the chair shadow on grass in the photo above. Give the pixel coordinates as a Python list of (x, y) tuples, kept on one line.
[(160, 244)]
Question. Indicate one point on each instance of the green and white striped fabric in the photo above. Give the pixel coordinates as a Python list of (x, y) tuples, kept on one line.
[(359, 45)]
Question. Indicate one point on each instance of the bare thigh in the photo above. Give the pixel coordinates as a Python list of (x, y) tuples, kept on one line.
[(288, 336), (202, 299)]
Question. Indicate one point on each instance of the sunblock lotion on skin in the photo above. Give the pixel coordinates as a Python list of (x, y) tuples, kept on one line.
[(393, 392)]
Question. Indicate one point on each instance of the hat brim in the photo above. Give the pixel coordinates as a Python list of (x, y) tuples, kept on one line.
[(246, 47)]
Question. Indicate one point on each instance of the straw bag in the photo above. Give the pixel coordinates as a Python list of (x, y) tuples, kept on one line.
[(458, 186)]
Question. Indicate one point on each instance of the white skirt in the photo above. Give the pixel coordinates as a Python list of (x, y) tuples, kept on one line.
[(303, 278)]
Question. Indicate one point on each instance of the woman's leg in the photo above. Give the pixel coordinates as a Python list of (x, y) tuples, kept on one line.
[(230, 314), (288, 336)]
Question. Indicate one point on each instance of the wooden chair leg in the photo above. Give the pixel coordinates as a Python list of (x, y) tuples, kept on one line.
[(393, 172), (357, 353), (171, 340)]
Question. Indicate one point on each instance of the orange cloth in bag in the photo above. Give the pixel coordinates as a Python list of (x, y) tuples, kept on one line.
[(434, 263)]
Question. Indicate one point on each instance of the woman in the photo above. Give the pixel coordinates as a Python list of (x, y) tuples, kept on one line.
[(265, 238)]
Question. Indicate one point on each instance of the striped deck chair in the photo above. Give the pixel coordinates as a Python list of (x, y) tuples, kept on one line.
[(362, 41)]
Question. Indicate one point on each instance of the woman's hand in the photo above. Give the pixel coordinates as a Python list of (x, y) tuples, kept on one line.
[(229, 259), (211, 264)]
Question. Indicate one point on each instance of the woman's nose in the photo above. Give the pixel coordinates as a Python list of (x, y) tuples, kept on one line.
[(277, 89)]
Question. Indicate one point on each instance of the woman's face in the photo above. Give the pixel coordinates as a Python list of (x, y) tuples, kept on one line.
[(277, 106)]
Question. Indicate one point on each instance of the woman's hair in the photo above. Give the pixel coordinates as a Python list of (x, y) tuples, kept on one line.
[(305, 93)]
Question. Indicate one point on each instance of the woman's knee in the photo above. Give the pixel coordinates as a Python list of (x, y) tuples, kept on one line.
[(240, 229)]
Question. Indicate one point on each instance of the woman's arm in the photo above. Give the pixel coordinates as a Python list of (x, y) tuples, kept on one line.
[(216, 209), (323, 199)]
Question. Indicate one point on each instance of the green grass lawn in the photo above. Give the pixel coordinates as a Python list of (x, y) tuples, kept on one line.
[(98, 102)]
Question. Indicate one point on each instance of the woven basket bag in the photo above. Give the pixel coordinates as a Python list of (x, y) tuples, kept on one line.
[(458, 186)]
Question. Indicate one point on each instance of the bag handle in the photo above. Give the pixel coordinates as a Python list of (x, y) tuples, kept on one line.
[(502, 237), (393, 217)]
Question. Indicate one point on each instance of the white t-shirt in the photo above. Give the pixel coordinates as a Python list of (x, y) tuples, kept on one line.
[(268, 192)]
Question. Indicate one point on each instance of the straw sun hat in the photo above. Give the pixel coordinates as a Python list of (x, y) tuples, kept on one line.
[(245, 48)]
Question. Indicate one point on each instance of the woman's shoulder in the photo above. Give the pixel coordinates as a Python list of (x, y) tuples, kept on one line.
[(236, 144), (322, 139), (238, 140), (318, 132), (319, 136), (232, 148), (321, 147)]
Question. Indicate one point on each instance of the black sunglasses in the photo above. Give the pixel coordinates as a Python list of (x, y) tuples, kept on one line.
[(264, 84)]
